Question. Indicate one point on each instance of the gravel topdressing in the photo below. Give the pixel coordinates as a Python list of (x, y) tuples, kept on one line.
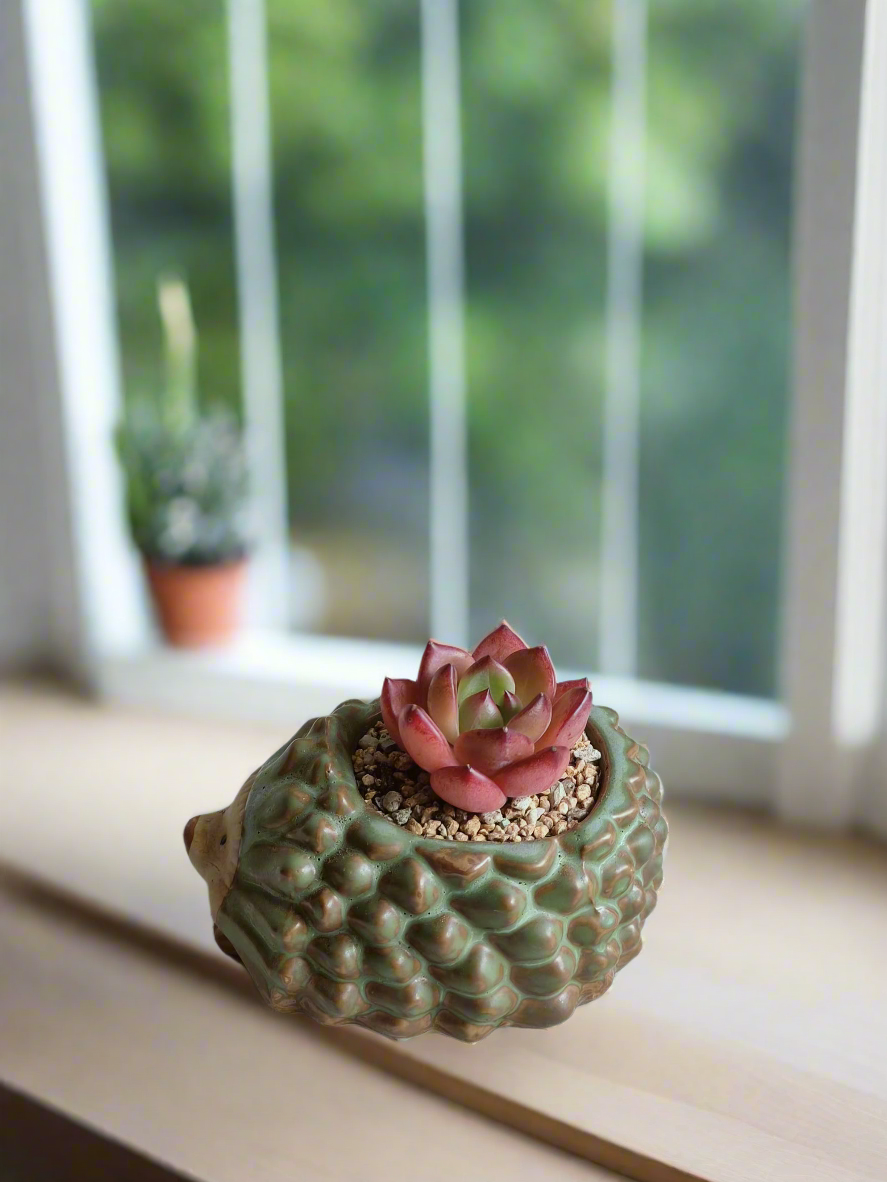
[(392, 784)]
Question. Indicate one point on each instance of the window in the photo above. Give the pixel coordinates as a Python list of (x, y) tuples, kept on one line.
[(625, 188), (504, 295)]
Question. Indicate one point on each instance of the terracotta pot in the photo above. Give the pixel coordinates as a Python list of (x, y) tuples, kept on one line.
[(339, 913), (197, 605)]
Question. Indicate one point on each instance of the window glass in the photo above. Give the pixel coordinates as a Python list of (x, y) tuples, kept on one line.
[(163, 91), (722, 86), (713, 326), (347, 124), (713, 319), (535, 107)]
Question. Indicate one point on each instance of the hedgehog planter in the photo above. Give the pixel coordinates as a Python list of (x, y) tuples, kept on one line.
[(338, 913)]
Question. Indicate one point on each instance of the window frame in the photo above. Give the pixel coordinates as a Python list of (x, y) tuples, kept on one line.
[(711, 745), (834, 601)]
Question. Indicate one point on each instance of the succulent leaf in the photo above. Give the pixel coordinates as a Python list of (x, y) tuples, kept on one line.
[(466, 788), (479, 711), (423, 740), (577, 683), (397, 692), (533, 720), (509, 706), (442, 704), (500, 643), (489, 724), (533, 672), (534, 774), (568, 718), (486, 673), (491, 750), (436, 655)]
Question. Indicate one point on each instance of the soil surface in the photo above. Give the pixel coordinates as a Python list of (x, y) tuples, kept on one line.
[(394, 785)]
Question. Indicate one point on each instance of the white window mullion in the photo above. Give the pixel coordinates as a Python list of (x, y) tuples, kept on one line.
[(442, 151), (834, 604), (863, 534), (256, 266), (618, 621)]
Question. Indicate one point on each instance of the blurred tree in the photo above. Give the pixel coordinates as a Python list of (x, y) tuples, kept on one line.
[(162, 71), (346, 108)]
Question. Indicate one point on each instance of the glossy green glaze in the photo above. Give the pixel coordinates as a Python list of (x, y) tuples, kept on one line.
[(339, 913)]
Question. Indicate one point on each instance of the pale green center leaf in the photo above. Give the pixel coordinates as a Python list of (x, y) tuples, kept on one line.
[(486, 674)]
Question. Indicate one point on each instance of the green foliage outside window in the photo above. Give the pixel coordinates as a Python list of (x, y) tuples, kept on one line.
[(346, 112)]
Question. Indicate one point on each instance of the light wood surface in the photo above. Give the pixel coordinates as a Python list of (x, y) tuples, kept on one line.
[(746, 1043), (175, 1064)]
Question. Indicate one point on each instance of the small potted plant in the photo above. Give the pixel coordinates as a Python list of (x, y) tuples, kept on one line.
[(186, 493), (479, 848)]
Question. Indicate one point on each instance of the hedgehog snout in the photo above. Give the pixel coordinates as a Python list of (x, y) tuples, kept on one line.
[(212, 841)]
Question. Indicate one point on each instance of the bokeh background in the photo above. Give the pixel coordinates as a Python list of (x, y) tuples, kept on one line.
[(347, 160)]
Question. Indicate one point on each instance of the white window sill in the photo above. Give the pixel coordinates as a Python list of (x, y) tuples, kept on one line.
[(709, 745), (744, 1043)]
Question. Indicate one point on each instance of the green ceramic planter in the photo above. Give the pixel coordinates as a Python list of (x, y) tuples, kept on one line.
[(338, 913)]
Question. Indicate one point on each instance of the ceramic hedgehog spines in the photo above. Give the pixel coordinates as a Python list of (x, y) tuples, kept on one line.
[(339, 913)]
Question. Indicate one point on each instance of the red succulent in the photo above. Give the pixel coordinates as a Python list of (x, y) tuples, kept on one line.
[(489, 724)]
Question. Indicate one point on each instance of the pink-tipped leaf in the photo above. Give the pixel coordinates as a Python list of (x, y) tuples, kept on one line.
[(509, 706), (491, 750), (568, 718), (500, 643), (479, 711), (397, 692), (433, 658), (534, 774), (533, 720), (423, 740), (486, 673), (466, 788), (442, 704), (533, 673), (578, 683)]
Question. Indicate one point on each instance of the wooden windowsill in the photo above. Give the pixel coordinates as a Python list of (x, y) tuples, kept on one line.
[(745, 1043), (171, 1055)]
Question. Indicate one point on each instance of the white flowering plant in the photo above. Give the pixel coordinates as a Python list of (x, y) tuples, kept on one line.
[(186, 488), (185, 470)]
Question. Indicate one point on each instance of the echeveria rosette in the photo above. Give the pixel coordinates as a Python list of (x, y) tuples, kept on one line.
[(489, 724)]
